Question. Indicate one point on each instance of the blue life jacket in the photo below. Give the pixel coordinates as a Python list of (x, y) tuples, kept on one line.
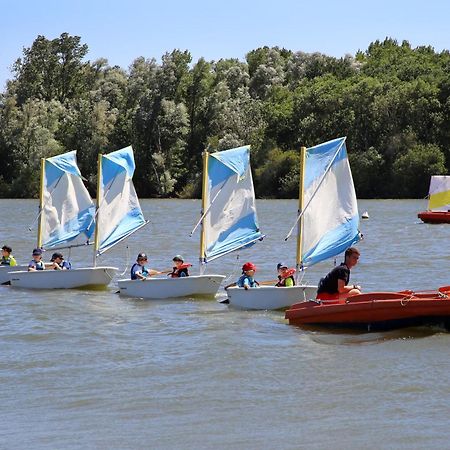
[(37, 265), (138, 268)]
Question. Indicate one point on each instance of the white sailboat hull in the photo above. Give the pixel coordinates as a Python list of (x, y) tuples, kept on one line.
[(269, 297), (160, 288), (90, 277), (4, 272)]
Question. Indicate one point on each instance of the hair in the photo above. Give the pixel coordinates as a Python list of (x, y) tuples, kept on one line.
[(7, 248), (350, 251)]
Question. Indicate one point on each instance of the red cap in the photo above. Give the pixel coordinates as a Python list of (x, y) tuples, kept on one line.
[(248, 266)]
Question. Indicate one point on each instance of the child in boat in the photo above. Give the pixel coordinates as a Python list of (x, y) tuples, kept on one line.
[(57, 262), (180, 269), (139, 271), (246, 280), (285, 276), (36, 263), (7, 258)]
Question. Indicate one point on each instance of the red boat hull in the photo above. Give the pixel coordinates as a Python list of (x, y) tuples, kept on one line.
[(376, 310), (434, 216)]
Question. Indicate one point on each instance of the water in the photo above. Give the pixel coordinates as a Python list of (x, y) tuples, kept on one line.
[(92, 370)]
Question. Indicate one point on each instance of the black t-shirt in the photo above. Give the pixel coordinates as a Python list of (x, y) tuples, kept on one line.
[(329, 283)]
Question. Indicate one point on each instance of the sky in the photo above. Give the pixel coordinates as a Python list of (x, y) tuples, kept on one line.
[(121, 31)]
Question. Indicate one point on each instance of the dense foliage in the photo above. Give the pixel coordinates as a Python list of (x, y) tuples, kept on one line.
[(391, 101)]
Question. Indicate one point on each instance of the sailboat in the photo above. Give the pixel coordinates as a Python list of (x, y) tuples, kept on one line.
[(67, 212), (228, 223), (327, 223), (439, 201)]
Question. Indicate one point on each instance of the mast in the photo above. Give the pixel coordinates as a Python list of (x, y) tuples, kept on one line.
[(202, 258), (298, 264), (97, 207), (41, 204)]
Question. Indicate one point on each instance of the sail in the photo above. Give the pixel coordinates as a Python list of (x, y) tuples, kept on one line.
[(330, 219), (67, 209), (439, 193), (119, 212), (231, 222)]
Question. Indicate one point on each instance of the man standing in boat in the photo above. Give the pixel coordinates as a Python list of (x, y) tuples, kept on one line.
[(335, 285)]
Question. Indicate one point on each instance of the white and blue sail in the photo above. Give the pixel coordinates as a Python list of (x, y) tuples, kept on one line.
[(66, 210), (119, 213), (230, 219), (330, 218)]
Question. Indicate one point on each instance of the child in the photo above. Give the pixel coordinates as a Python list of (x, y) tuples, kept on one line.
[(285, 276), (180, 269), (7, 258), (36, 263), (246, 280), (139, 271), (58, 262)]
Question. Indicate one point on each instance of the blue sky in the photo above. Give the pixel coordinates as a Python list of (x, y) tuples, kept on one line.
[(121, 31)]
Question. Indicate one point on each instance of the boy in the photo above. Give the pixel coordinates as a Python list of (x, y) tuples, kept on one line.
[(139, 271), (285, 276), (246, 280), (36, 263), (180, 269), (58, 262), (7, 258)]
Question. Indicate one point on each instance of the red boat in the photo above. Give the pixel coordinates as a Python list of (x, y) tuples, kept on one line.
[(434, 216), (376, 310)]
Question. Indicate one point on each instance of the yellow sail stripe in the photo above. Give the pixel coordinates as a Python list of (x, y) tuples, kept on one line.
[(439, 200)]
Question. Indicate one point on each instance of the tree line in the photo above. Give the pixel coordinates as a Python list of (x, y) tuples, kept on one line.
[(392, 102)]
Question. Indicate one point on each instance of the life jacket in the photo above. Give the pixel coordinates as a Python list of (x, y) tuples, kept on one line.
[(6, 261), (282, 279), (64, 265), (252, 282), (143, 270), (178, 271), (37, 265)]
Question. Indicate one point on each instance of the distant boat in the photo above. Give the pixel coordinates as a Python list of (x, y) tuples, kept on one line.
[(228, 223), (365, 215), (67, 212), (438, 201), (322, 232)]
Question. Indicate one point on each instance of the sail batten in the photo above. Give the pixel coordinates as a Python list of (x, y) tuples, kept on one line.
[(231, 222), (119, 213), (67, 208), (330, 217)]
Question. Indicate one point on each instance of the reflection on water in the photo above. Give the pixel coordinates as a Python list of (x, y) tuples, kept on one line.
[(91, 369)]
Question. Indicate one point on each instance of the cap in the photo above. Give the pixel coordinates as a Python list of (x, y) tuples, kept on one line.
[(178, 258), (37, 251), (57, 255), (280, 265), (7, 248), (142, 256), (248, 266)]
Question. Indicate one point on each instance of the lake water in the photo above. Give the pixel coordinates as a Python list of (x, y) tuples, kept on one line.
[(91, 370)]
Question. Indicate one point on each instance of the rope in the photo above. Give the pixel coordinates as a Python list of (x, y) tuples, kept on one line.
[(405, 300), (128, 263), (232, 275)]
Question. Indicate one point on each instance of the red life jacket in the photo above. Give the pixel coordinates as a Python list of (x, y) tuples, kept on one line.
[(176, 271), (282, 278)]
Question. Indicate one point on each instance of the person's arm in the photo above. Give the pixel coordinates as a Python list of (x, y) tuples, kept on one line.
[(13, 261), (343, 289)]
